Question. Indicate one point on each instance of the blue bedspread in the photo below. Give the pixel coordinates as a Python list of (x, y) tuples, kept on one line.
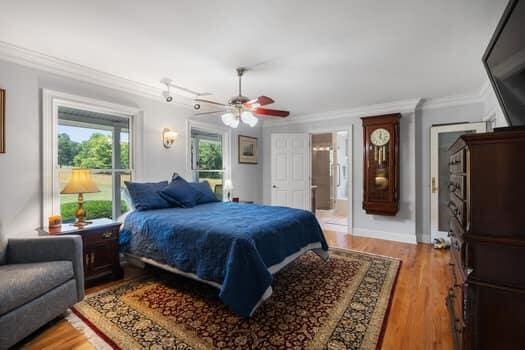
[(231, 244)]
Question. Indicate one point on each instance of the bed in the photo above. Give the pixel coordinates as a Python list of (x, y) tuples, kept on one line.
[(233, 247)]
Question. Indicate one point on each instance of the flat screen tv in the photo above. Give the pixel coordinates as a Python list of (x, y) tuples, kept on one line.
[(504, 61)]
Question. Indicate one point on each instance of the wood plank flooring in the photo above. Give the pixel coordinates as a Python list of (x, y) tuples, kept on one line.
[(418, 317)]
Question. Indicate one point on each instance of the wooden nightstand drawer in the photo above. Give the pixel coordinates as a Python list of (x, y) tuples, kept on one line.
[(102, 236)]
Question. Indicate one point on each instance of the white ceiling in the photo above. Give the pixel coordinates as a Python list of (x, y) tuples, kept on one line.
[(310, 56)]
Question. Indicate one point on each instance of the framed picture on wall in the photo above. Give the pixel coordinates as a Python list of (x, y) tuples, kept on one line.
[(247, 150), (2, 121)]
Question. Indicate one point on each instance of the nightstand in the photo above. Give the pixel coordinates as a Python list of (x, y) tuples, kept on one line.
[(100, 248)]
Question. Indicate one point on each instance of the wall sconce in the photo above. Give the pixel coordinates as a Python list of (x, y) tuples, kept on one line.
[(168, 137)]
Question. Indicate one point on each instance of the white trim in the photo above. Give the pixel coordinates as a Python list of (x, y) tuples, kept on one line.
[(451, 101), (434, 171), (478, 96), (51, 100), (350, 130), (401, 106), (54, 65), (390, 236)]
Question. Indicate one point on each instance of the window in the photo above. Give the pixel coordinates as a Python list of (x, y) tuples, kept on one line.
[(207, 161), (99, 142)]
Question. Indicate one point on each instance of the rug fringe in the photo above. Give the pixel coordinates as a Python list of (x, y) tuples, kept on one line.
[(97, 342)]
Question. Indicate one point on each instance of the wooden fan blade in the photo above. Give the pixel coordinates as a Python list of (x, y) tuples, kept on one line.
[(271, 112), (209, 102), (259, 101)]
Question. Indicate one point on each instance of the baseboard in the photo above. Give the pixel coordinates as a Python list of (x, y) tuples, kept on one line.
[(425, 239), (390, 236)]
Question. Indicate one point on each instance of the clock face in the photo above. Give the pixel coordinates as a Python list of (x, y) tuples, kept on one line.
[(379, 137)]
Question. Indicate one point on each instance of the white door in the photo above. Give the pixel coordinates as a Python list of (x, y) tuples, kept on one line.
[(441, 138), (289, 162)]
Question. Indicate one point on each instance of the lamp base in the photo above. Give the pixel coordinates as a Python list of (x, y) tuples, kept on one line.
[(80, 213)]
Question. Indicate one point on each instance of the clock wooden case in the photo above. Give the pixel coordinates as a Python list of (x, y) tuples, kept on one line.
[(381, 164)]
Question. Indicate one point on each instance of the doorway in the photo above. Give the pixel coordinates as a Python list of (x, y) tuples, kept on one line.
[(441, 138), (330, 179)]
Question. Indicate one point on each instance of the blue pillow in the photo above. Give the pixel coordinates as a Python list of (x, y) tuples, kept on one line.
[(145, 196), (180, 193), (204, 192)]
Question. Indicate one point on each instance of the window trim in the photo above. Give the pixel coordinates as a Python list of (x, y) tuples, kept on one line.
[(51, 101), (226, 145)]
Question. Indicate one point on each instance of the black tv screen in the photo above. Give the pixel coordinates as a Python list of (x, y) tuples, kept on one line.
[(504, 61)]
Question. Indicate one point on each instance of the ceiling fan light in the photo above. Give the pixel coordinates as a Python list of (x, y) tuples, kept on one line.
[(235, 123), (228, 118), (248, 118)]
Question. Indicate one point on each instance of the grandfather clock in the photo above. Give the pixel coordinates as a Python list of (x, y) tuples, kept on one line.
[(381, 164)]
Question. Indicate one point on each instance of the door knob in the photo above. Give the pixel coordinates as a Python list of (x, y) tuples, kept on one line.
[(273, 186)]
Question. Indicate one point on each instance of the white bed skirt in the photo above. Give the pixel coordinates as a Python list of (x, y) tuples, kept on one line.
[(316, 247)]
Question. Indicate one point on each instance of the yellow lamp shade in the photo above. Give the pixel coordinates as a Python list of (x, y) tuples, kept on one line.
[(80, 182)]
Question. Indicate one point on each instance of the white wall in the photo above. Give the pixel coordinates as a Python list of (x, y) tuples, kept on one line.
[(20, 167), (413, 219), (247, 178), (402, 227)]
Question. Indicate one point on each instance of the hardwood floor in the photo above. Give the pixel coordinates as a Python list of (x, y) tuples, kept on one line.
[(418, 317)]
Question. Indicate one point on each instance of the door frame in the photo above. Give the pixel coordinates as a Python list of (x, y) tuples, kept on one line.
[(433, 188), (349, 129)]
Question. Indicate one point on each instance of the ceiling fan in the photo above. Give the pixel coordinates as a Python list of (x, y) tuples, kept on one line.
[(241, 108)]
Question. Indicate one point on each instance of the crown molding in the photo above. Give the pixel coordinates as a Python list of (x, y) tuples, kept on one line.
[(481, 95), (478, 96), (54, 65), (400, 106)]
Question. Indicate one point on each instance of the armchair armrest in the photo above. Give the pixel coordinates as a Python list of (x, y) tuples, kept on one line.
[(42, 249)]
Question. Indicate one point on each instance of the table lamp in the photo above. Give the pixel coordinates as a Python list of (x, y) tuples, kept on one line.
[(228, 188), (80, 182)]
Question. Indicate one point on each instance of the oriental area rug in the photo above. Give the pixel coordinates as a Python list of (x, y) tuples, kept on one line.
[(341, 303)]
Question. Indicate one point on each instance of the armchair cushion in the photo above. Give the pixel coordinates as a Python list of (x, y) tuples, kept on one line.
[(46, 249), (22, 283)]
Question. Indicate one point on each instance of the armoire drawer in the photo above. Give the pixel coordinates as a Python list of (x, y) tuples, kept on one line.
[(457, 185), (457, 209), (457, 162)]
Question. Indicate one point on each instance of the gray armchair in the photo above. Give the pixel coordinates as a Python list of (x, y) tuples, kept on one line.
[(40, 278)]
